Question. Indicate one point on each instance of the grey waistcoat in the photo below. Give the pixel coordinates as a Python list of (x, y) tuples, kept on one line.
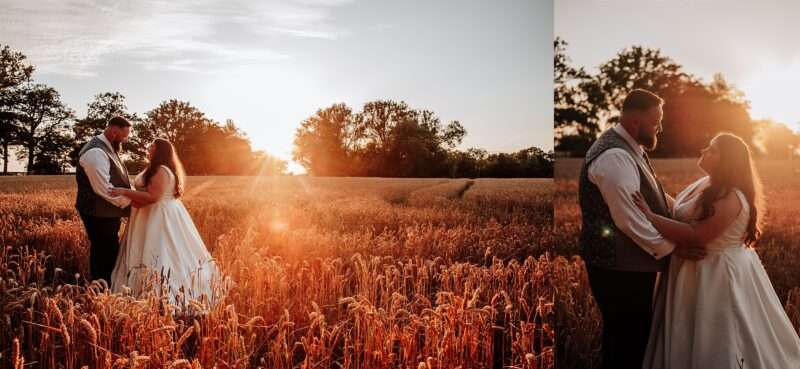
[(602, 243), (88, 202)]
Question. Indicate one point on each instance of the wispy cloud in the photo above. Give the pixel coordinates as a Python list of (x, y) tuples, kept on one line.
[(73, 37), (327, 35)]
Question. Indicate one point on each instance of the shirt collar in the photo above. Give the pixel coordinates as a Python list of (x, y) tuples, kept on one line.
[(627, 136), (103, 138)]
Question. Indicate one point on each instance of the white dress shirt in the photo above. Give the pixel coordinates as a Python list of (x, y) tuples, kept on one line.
[(95, 163), (616, 175)]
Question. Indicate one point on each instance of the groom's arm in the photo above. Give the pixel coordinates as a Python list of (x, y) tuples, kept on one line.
[(670, 202), (96, 165), (616, 175)]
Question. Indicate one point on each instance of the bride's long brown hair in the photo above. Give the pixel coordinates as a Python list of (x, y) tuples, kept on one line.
[(164, 154), (735, 170)]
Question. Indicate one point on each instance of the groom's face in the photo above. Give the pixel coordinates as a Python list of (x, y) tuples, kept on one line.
[(120, 135), (650, 127)]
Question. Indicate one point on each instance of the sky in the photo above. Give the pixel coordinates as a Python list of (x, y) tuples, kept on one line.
[(753, 43), (270, 64)]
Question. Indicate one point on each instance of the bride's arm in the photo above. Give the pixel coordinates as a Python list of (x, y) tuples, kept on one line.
[(698, 233), (154, 190), (137, 204)]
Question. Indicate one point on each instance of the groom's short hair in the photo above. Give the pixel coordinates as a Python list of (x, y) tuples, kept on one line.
[(118, 121), (641, 100)]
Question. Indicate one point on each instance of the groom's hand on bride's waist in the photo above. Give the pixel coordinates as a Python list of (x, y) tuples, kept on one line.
[(690, 252)]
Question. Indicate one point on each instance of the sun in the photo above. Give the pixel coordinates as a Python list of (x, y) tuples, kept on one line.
[(278, 226), (772, 91)]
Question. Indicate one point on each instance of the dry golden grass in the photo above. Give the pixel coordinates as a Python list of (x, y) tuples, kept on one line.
[(577, 318), (329, 272)]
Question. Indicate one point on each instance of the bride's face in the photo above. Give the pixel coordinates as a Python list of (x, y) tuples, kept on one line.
[(709, 157)]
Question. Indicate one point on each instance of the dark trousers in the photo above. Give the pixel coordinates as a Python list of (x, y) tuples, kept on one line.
[(625, 302), (104, 245)]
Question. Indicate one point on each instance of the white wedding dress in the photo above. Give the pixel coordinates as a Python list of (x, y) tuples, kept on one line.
[(720, 312), (160, 240)]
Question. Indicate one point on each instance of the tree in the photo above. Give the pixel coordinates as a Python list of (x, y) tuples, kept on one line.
[(776, 140), (469, 163), (534, 162), (694, 111), (400, 141), (43, 118), (104, 106), (226, 150), (637, 67), (9, 123), (53, 153), (177, 121), (693, 116), (14, 71), (450, 135), (325, 143), (205, 147), (573, 114), (413, 151), (500, 165), (174, 120), (378, 119), (418, 147), (390, 139)]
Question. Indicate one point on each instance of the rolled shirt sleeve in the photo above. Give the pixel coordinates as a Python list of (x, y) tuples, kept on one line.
[(616, 174), (96, 165)]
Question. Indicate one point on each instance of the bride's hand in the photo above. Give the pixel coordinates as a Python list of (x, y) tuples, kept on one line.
[(118, 191), (638, 200)]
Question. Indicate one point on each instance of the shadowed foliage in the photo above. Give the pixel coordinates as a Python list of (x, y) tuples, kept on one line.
[(694, 111)]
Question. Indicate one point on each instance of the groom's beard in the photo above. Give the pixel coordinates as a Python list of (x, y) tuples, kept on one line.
[(648, 142), (117, 145)]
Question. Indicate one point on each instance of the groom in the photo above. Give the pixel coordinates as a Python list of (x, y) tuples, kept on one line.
[(622, 250), (100, 169)]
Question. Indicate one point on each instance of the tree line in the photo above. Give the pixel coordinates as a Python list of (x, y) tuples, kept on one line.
[(50, 134), (694, 111), (390, 139), (386, 138)]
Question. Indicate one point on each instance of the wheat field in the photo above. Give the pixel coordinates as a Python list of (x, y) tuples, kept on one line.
[(578, 322), (328, 272)]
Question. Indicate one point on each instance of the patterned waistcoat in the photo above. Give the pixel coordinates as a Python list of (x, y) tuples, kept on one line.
[(602, 243), (87, 201)]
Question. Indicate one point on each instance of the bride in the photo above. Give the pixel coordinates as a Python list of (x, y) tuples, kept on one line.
[(721, 311), (160, 240)]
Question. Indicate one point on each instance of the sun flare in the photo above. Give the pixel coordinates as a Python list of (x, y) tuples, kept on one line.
[(278, 225), (772, 93)]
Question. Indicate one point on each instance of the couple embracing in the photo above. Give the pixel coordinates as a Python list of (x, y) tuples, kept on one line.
[(160, 245), (676, 280)]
